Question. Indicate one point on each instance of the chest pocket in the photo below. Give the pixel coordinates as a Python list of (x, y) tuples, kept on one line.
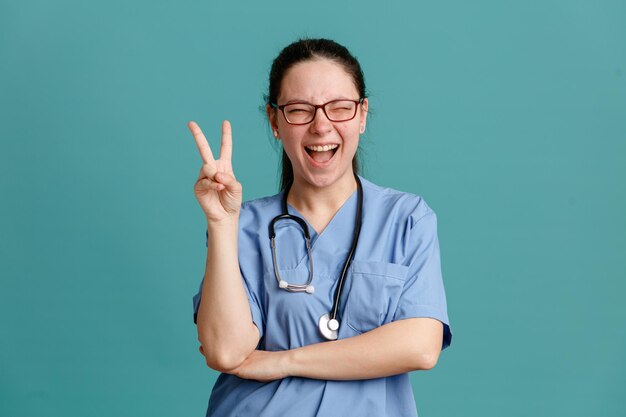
[(375, 289)]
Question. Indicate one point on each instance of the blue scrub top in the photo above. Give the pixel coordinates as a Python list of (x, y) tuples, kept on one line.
[(395, 274)]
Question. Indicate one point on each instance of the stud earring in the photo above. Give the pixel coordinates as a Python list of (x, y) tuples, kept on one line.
[(362, 129), (276, 133)]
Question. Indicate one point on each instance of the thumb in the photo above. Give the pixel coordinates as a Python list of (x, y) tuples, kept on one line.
[(229, 181)]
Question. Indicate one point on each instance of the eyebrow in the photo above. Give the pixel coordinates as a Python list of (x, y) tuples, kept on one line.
[(294, 101)]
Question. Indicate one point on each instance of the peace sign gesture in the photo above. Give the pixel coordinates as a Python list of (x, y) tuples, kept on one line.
[(217, 189)]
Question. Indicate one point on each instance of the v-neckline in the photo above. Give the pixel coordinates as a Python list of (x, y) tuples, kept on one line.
[(314, 234)]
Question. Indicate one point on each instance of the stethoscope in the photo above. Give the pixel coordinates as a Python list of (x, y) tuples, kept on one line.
[(328, 323)]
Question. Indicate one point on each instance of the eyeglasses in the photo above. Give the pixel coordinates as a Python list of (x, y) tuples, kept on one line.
[(303, 113)]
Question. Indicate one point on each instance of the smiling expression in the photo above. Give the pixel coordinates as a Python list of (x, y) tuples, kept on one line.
[(320, 152)]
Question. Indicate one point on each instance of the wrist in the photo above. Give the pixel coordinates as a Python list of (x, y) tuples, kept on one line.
[(228, 223), (289, 362)]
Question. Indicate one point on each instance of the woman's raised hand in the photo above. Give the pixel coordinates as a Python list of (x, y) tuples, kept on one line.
[(217, 190)]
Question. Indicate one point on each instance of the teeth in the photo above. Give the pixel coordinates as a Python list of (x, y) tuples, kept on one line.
[(322, 148)]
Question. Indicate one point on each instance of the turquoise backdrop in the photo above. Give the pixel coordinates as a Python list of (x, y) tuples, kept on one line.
[(508, 117)]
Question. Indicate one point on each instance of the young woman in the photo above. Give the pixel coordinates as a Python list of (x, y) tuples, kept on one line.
[(319, 300)]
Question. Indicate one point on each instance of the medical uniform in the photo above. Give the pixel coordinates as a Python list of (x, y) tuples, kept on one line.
[(395, 275)]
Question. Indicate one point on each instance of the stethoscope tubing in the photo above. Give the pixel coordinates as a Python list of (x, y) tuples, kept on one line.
[(355, 240), (307, 237), (307, 287)]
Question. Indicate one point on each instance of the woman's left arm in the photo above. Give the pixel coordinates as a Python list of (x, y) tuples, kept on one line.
[(394, 348)]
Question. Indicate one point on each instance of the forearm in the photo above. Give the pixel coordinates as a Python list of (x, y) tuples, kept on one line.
[(392, 349), (225, 327)]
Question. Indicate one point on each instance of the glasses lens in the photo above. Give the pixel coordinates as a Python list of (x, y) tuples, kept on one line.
[(299, 113), (341, 110)]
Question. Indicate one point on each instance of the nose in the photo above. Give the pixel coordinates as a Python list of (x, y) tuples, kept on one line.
[(321, 123)]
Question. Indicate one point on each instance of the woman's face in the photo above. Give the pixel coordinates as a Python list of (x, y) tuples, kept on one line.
[(319, 81)]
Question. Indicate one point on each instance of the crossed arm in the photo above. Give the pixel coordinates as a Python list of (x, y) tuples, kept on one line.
[(394, 348)]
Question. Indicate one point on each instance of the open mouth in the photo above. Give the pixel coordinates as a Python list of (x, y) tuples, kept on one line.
[(322, 154)]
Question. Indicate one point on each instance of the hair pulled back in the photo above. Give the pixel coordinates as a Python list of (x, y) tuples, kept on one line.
[(304, 50)]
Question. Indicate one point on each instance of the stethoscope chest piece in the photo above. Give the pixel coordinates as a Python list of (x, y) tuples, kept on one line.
[(328, 327)]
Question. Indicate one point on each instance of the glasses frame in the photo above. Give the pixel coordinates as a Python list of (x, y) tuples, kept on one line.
[(318, 106)]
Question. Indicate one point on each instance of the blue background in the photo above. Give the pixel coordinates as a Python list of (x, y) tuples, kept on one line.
[(508, 117)]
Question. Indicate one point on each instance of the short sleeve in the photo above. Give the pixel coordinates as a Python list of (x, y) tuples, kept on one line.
[(423, 294), (255, 310)]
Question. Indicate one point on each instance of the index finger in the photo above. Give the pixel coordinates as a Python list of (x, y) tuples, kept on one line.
[(226, 151), (201, 143)]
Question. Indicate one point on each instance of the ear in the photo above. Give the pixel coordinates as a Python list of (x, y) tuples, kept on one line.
[(363, 114), (272, 114)]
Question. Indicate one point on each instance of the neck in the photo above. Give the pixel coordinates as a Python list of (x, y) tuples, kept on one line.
[(306, 197)]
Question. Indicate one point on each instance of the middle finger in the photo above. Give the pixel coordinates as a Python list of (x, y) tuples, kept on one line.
[(226, 151)]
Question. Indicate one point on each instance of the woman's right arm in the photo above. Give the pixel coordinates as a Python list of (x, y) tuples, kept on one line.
[(225, 329)]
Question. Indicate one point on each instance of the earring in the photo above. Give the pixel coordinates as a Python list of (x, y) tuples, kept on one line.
[(362, 129), (276, 133)]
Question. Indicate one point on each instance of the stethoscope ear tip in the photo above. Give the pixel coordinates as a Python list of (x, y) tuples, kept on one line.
[(328, 327)]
